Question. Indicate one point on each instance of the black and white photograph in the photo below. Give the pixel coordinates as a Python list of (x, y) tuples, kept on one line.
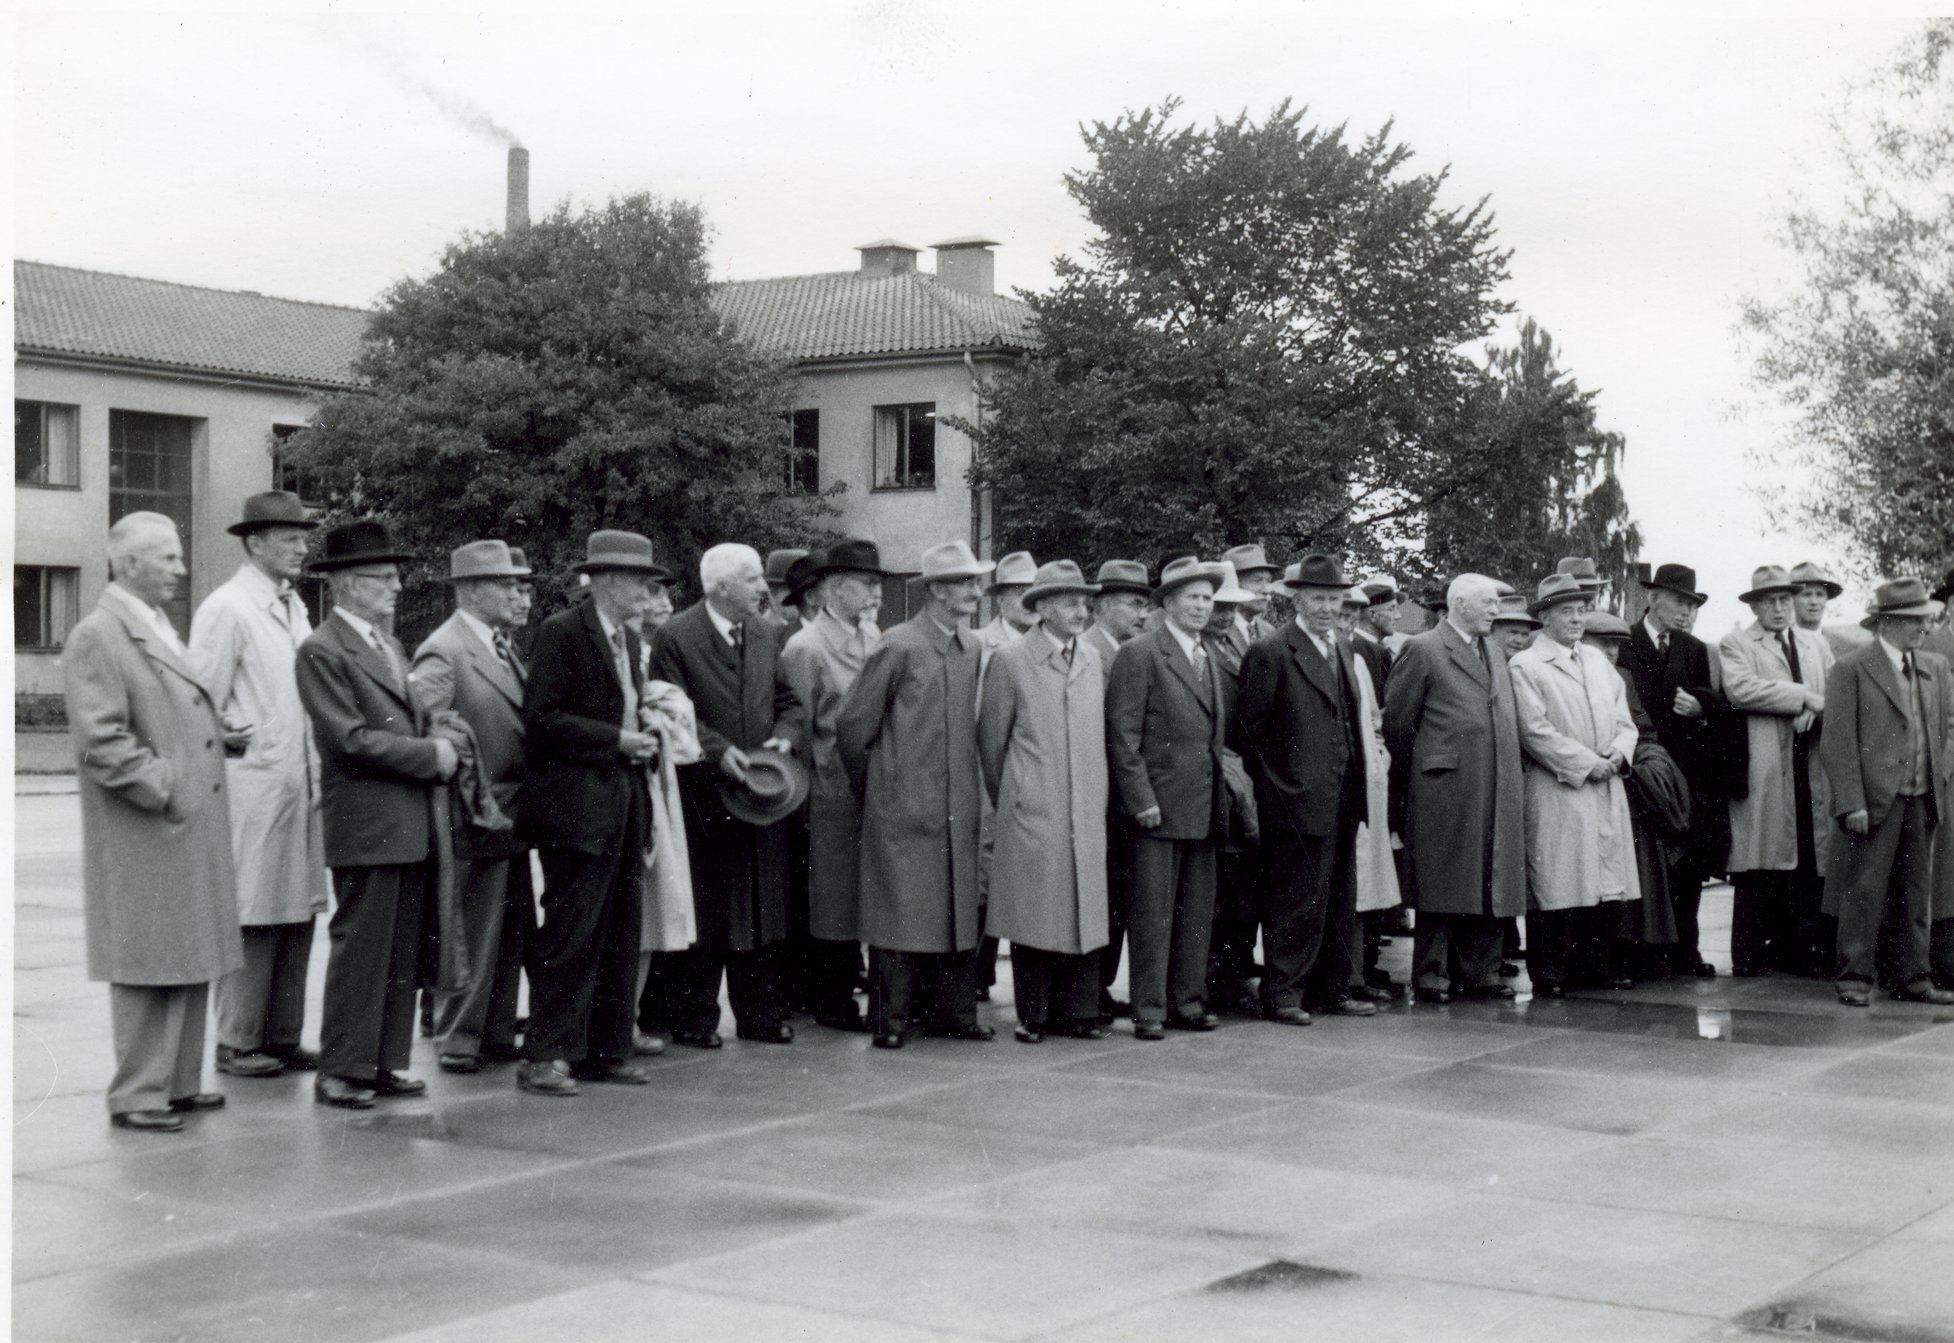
[(897, 671)]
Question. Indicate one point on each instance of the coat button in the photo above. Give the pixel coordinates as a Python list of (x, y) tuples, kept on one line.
[(209, 744), (217, 788)]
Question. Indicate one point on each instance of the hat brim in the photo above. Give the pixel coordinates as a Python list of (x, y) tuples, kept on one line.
[(1270, 569), (259, 525), (1769, 590), (1163, 591), (1301, 584), (655, 571), (1517, 618), (746, 807), (1928, 609), (1698, 597), (958, 574), (326, 566), (1558, 599), (1121, 585), (1039, 594), (511, 572)]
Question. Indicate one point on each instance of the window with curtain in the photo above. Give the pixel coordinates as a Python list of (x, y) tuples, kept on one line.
[(905, 446), (47, 444), (804, 452), (46, 605)]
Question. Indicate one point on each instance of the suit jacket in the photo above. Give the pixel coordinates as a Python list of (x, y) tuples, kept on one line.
[(1101, 643), (1296, 729), (577, 791), (1865, 748), (739, 871), (1376, 657), (454, 669), (1165, 732), (377, 767)]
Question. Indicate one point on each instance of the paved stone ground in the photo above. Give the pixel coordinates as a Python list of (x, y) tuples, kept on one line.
[(1685, 1161)]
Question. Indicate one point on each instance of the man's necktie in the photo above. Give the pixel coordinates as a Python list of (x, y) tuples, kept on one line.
[(507, 652), (1200, 663), (1485, 660), (1663, 643), (1916, 723), (621, 664), (738, 635), (1791, 654), (1066, 653), (387, 655)]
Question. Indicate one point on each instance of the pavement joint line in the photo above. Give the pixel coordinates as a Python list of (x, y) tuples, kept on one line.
[(645, 1280)]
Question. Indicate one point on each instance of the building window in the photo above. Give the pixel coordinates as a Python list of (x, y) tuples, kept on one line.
[(149, 469), (47, 603), (804, 452), (47, 444), (905, 446), (284, 475)]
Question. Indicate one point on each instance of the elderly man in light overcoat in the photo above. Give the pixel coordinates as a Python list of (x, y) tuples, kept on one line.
[(246, 636), (158, 892), (1454, 738)]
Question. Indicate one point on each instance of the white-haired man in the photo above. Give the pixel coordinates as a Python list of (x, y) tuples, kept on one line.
[(157, 885), (1454, 737), (726, 658)]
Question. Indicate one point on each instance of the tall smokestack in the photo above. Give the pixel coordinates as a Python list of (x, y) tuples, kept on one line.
[(518, 189)]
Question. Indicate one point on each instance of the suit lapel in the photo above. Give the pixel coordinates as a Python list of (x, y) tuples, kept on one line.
[(493, 669), (367, 658), (150, 641), (1312, 664), (1463, 655), (1183, 667)]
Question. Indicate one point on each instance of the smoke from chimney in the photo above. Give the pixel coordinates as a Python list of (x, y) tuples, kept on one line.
[(518, 207)]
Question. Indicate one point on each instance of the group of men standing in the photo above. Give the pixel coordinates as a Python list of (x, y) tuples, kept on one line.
[(1143, 761)]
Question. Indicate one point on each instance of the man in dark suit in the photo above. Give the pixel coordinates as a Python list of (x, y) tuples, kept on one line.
[(585, 804), (726, 658), (1377, 622), (1694, 723), (378, 767), (1166, 717), (1885, 756), (1117, 614), (1296, 728), (469, 665)]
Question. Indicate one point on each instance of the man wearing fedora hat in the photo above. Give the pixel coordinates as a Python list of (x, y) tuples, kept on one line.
[(1041, 737), (1775, 675), (1009, 583), (469, 664), (586, 806), (379, 764), (907, 736), (1374, 634), (1119, 611), (247, 633), (822, 660), (1296, 726), (1167, 713), (1256, 576), (726, 658), (1238, 881), (1677, 681), (1885, 752), (782, 606)]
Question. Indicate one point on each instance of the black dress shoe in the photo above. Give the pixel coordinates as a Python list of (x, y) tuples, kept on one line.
[(1085, 1030), (1287, 1016), (888, 1040), (148, 1121), (1113, 1008), (342, 1093), (1437, 997), (1509, 970), (971, 1032), (1487, 991), (1149, 1030), (1855, 998), (1746, 971), (1349, 1007), (297, 1060), (697, 1039), (460, 1063), (1369, 993), (783, 1034), (398, 1084), (1028, 1035), (1207, 1021), (624, 1074), (545, 1077), (1924, 993), (852, 1023), (203, 1100), (247, 1063)]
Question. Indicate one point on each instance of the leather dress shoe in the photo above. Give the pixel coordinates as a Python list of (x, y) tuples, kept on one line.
[(1925, 993), (1855, 998), (1113, 1008), (783, 1034), (1085, 1030), (398, 1084), (1437, 997), (646, 1045), (1207, 1021), (1149, 1030), (1509, 970), (203, 1100), (1367, 993), (1549, 991), (836, 1021), (1287, 1016), (887, 1040), (971, 1032), (1028, 1035), (1700, 968), (460, 1063), (1487, 991), (148, 1121), (342, 1093), (624, 1074), (545, 1077), (247, 1063), (1349, 1007), (296, 1059), (697, 1039)]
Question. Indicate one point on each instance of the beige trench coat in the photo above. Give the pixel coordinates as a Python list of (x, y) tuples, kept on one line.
[(1041, 736), (158, 893), (1757, 679), (1573, 713), (246, 639)]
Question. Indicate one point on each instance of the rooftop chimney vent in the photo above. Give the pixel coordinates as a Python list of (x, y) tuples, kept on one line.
[(887, 256), (518, 210), (967, 265)]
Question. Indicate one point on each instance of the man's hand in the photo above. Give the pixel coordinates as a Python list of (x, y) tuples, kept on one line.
[(1858, 822), (237, 739), (1803, 723), (780, 744), (1814, 701), (1687, 705), (1148, 819), (733, 764), (1602, 770), (446, 761), (637, 747)]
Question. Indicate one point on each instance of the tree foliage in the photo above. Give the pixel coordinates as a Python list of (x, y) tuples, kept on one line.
[(1862, 352), (1266, 340), (543, 384)]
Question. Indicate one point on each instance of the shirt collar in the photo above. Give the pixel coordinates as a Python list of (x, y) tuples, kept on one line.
[(1893, 655), (720, 623), (361, 625), (1324, 643), (605, 623), (262, 585), (1655, 631), (1241, 623), (1471, 640), (480, 626), (1181, 637)]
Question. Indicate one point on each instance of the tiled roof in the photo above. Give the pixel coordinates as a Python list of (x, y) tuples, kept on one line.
[(844, 313), (61, 310)]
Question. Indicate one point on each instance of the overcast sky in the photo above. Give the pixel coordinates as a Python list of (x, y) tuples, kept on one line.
[(1636, 165)]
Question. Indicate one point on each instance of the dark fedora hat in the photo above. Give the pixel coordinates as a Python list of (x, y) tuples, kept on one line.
[(851, 555), (803, 574), (1679, 579), (779, 562), (273, 508), (775, 786), (621, 550), (1314, 571), (364, 542), (1123, 576)]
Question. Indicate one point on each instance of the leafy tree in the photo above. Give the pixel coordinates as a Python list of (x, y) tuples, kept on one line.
[(1862, 353), (546, 383), (1263, 342)]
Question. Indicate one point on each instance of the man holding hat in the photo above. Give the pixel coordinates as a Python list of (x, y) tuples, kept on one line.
[(1885, 752), (247, 635), (1041, 737), (586, 805), (1118, 613), (1297, 729), (907, 736), (1167, 713), (727, 661), (822, 660), (1775, 675), (469, 665), (1695, 723), (379, 765)]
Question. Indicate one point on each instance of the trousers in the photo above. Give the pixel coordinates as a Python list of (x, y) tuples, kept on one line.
[(372, 969), (1054, 988), (498, 913), (1886, 886), (261, 1004), (583, 974), (158, 1031), (943, 984), (1169, 922)]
